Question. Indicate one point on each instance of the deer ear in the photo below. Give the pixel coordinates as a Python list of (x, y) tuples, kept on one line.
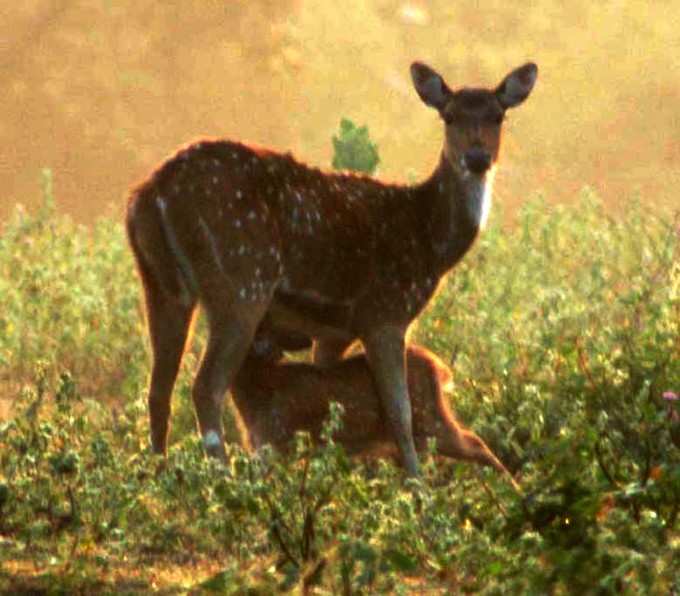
[(430, 86), (517, 86)]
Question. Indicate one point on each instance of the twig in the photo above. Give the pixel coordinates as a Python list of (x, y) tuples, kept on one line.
[(281, 542), (648, 465), (674, 514), (308, 534), (600, 461), (583, 364), (303, 483), (491, 495), (313, 577), (274, 513)]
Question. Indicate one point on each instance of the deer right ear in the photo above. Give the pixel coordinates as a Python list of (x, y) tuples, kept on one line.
[(430, 86), (516, 87)]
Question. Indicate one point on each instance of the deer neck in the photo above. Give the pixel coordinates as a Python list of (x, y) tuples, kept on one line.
[(456, 206)]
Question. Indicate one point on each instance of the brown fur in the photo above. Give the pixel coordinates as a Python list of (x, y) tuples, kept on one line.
[(276, 399), (246, 233)]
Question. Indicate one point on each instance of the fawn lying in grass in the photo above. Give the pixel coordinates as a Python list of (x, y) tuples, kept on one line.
[(275, 399)]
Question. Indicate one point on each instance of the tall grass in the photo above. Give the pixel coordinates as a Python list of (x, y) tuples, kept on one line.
[(563, 335)]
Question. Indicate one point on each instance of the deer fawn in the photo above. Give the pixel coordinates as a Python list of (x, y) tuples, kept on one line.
[(245, 232), (274, 400)]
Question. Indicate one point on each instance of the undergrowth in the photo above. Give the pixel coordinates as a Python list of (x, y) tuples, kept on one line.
[(563, 336)]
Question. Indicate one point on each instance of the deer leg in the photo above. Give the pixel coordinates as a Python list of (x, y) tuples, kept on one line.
[(460, 443), (169, 321), (230, 335), (329, 351), (385, 355)]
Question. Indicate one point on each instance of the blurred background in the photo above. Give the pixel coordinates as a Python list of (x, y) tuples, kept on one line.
[(101, 90)]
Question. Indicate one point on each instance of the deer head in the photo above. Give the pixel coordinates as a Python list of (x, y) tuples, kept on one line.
[(472, 117)]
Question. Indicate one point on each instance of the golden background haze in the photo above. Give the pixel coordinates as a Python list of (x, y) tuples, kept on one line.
[(101, 91)]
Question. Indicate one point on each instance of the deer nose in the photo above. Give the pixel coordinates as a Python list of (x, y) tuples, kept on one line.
[(477, 160)]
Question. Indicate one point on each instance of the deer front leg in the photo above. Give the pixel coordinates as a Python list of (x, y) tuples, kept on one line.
[(385, 355), (230, 333)]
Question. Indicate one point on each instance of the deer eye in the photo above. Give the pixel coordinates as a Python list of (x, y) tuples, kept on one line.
[(453, 117)]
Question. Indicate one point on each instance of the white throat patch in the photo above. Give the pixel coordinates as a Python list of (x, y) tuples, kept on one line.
[(478, 201)]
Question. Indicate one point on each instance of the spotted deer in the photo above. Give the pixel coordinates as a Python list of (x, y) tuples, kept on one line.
[(275, 399), (245, 231)]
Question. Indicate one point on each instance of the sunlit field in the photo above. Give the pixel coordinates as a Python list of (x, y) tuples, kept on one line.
[(561, 326)]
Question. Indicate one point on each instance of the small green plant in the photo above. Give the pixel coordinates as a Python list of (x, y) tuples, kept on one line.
[(353, 149)]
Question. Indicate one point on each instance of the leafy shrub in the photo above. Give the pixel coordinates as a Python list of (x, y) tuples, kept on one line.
[(563, 334), (70, 299), (353, 149)]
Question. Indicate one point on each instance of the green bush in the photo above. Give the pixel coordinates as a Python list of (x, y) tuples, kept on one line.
[(353, 149), (70, 298), (563, 334)]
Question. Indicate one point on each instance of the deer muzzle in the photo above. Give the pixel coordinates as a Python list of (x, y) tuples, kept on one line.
[(477, 160)]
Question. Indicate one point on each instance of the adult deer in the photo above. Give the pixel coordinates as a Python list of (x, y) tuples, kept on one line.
[(275, 399), (245, 232)]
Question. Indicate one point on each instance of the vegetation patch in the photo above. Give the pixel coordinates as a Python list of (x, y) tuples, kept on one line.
[(563, 336)]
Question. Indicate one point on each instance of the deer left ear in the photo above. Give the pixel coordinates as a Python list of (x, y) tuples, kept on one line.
[(517, 86)]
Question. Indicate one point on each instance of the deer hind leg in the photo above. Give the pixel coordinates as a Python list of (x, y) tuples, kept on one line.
[(170, 304), (169, 323), (475, 449), (460, 443), (231, 328)]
